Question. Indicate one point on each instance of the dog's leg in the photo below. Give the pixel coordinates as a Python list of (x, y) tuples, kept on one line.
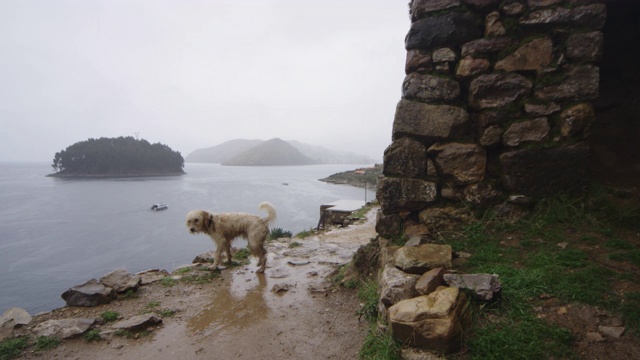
[(262, 259), (216, 259), (228, 251)]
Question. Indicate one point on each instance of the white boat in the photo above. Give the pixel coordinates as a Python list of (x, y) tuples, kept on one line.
[(158, 207)]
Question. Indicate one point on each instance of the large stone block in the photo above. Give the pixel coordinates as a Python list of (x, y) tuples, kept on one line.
[(592, 16), (486, 46), (396, 285), (421, 258), (579, 84), (435, 321), (432, 122), (496, 90), (91, 293), (420, 8), (430, 88), (405, 158), (417, 60), (576, 119), (544, 172), (585, 47), (534, 55), (460, 163), (451, 29), (398, 195), (388, 225), (526, 131)]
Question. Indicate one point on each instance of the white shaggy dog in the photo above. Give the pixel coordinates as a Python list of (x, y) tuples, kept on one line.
[(223, 228)]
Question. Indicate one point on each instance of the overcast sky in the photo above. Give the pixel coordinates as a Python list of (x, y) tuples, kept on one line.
[(194, 74)]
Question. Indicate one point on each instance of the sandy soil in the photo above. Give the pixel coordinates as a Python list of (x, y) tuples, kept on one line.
[(238, 316)]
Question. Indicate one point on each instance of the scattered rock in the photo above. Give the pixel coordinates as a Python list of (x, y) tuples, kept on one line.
[(64, 328), (91, 293), (396, 285), (299, 263), (121, 280), (151, 276), (418, 259), (429, 281), (280, 288), (593, 337), (206, 257), (11, 319), (138, 322), (614, 332), (484, 286)]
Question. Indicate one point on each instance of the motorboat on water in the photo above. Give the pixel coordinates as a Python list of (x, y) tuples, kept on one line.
[(158, 207)]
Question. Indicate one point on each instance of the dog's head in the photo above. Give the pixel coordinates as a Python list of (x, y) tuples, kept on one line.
[(198, 221)]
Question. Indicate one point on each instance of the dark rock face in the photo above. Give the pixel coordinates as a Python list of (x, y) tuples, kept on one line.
[(452, 29), (431, 122), (545, 172), (397, 195), (428, 87), (496, 90), (91, 293), (406, 158)]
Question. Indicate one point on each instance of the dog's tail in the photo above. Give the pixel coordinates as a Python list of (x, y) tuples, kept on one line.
[(271, 212)]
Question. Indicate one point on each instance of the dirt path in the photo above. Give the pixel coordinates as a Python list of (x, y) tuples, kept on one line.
[(238, 316)]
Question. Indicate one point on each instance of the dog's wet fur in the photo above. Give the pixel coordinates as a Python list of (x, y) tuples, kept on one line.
[(224, 227)]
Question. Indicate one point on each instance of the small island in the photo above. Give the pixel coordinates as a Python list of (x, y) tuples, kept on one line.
[(362, 177), (117, 157)]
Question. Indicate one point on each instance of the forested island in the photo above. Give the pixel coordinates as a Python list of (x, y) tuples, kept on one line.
[(360, 177), (117, 157)]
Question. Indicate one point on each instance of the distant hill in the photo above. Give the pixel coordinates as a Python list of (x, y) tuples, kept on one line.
[(221, 153), (274, 152), (320, 155)]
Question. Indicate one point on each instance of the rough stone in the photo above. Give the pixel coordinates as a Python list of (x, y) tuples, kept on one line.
[(581, 83), (91, 293), (151, 276), (484, 286), (205, 257), (11, 319), (417, 60), (576, 118), (388, 225), (406, 158), (541, 109), (432, 122), (444, 218), (534, 55), (493, 26), (543, 172), (138, 322), (491, 136), (396, 285), (429, 87), (451, 29), (421, 258), (481, 3), (121, 280), (530, 130), (420, 8), (513, 9), (444, 55), (429, 281), (461, 163), (586, 46), (485, 46), (64, 328), (414, 230), (534, 4), (479, 193), (469, 66), (496, 90), (397, 195), (614, 332), (435, 321), (592, 16)]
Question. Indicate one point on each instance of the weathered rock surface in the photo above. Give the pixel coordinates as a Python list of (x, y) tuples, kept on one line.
[(576, 119), (586, 46), (534, 55), (421, 258), (11, 319), (151, 276), (405, 157), (433, 321), (429, 87), (121, 280), (452, 29), (460, 163), (580, 83), (484, 286), (396, 285), (592, 16), (470, 66), (417, 60), (430, 281), (138, 322), (431, 122), (90, 293), (496, 90), (64, 328), (530, 130), (441, 218), (486, 46), (397, 194)]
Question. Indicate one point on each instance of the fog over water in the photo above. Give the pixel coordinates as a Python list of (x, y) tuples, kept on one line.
[(57, 233)]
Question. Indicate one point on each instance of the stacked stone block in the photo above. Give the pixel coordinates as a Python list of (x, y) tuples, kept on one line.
[(496, 102)]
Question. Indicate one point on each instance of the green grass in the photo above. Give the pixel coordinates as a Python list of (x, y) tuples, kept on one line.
[(305, 233), (166, 312), (368, 295), (184, 270), (294, 244), (92, 335), (279, 233), (123, 333), (110, 316), (379, 346), (12, 348), (168, 282), (201, 278), (44, 343), (152, 304), (242, 254), (129, 294)]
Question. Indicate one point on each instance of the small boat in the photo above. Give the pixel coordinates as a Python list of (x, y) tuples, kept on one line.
[(285, 183), (158, 207)]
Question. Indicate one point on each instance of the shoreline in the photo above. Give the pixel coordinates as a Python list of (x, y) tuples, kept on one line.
[(106, 176)]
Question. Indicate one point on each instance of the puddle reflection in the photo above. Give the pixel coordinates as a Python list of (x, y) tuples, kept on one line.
[(234, 305)]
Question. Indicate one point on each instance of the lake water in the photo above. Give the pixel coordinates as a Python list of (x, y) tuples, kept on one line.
[(57, 233)]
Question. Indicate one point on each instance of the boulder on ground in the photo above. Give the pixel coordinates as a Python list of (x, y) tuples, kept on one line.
[(151, 276), (396, 285), (121, 280), (138, 322), (91, 293), (484, 286), (64, 328), (421, 258), (12, 319)]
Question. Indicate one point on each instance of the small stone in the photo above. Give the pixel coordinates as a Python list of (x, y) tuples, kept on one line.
[(562, 310), (444, 55), (614, 332), (594, 337), (563, 245)]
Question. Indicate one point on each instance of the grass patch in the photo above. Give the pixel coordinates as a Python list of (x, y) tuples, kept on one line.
[(368, 295), (379, 346), (305, 233), (279, 233), (153, 304), (11, 348), (110, 316), (294, 244), (44, 343), (123, 333), (201, 278), (92, 335), (184, 270), (242, 254), (631, 311), (168, 282), (360, 213), (129, 294), (166, 312)]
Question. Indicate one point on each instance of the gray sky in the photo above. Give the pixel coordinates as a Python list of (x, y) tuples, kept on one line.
[(194, 74)]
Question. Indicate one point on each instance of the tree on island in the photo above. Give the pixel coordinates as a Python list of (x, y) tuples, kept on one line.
[(120, 156)]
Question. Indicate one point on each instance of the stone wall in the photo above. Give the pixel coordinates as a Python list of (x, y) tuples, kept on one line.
[(497, 102)]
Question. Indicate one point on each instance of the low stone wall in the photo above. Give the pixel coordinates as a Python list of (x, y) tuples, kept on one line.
[(497, 101)]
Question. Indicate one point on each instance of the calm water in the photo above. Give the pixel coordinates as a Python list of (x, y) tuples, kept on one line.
[(57, 233)]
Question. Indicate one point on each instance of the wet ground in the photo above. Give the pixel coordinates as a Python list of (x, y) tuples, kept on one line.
[(290, 312)]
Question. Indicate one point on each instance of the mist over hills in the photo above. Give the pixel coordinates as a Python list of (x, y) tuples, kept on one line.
[(275, 152)]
